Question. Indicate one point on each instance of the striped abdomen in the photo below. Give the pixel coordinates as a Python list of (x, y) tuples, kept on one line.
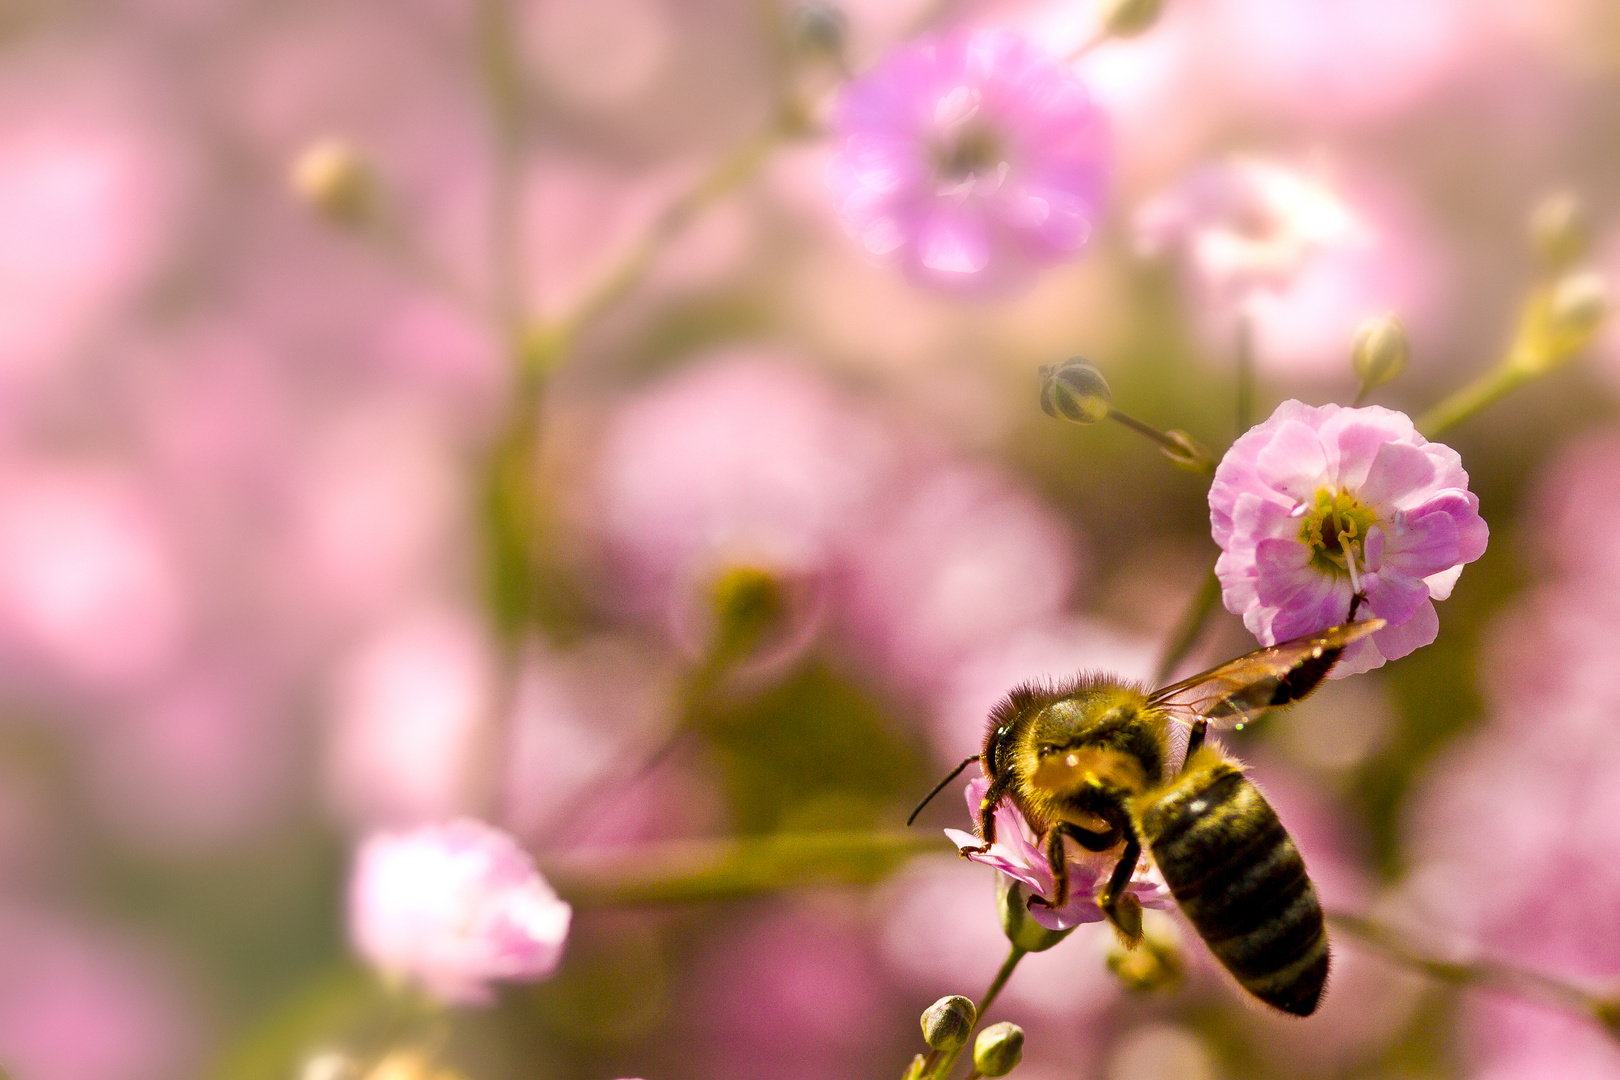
[(1240, 880)]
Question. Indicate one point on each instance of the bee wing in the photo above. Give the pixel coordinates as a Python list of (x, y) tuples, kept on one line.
[(1239, 690)]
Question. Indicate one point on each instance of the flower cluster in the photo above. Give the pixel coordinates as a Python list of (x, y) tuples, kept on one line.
[(1320, 505)]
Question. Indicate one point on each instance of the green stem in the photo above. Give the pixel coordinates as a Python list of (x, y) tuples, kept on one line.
[(730, 173), (1482, 974), (1472, 398), (1189, 629), (700, 871), (503, 90), (1245, 373), (1014, 955)]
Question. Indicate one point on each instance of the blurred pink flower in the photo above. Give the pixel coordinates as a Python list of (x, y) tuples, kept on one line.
[(794, 993), (973, 160), (745, 460), (1303, 262), (1016, 854), (406, 707), (1316, 504), (90, 592), (962, 558), (453, 908), (80, 1004)]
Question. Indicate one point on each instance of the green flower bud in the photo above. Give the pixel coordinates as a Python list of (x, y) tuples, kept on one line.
[(947, 1023), (337, 182), (1127, 18), (1579, 303), (1380, 350), (1020, 927), (998, 1049), (1188, 453), (1075, 390), (820, 27), (749, 604), (1559, 230), (1154, 964)]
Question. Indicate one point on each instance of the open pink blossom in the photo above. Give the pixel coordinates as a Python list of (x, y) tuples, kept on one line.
[(1317, 504), (454, 907), (971, 160), (1016, 854)]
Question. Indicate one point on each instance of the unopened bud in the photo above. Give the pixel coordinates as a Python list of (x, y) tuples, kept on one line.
[(998, 1049), (749, 604), (1075, 390), (1607, 1013), (1127, 18), (1380, 350), (334, 179), (1016, 921), (1155, 963), (1559, 230), (820, 27), (947, 1023), (1579, 302), (1188, 453)]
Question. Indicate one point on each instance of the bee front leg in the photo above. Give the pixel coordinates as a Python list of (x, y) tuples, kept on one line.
[(1121, 907), (987, 818), (1058, 860)]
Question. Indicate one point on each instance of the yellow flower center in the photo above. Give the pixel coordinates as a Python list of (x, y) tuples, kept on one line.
[(1335, 529)]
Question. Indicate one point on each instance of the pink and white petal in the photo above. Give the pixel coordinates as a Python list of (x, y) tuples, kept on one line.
[(1423, 544), (1441, 584), (1081, 908), (1394, 597), (953, 241), (1353, 437), (1283, 569), (1294, 462), (1422, 628), (1254, 516), (1401, 476), (1324, 603)]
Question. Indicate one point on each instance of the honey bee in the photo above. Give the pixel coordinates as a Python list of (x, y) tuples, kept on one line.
[(1090, 761)]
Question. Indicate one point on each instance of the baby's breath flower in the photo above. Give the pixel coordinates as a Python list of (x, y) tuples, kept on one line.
[(1316, 506), (971, 160)]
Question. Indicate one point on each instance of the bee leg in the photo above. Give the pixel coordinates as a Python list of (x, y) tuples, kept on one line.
[(1100, 840), (987, 817), (1059, 862), (1195, 739), (1121, 907)]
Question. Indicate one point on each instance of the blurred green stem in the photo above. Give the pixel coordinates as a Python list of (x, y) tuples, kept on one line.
[(1189, 629), (1548, 336), (1008, 966), (503, 90), (698, 871), (1481, 974)]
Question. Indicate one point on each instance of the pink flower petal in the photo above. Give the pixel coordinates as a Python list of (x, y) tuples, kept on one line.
[(1399, 476), (1396, 641), (1294, 462)]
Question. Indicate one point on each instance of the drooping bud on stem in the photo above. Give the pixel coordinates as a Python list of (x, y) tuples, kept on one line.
[(1075, 390), (1021, 928), (1380, 350), (335, 180), (1559, 230), (1128, 18), (1186, 452), (998, 1049), (947, 1023), (1579, 303)]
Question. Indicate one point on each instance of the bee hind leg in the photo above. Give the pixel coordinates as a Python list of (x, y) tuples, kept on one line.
[(1120, 906)]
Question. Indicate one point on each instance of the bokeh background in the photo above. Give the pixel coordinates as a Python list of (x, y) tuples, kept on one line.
[(313, 521)]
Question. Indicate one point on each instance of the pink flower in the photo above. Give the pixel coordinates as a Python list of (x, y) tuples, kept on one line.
[(1015, 854), (972, 160), (1316, 504), (453, 907)]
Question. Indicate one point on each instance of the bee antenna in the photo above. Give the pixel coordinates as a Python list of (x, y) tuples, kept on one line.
[(939, 787)]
